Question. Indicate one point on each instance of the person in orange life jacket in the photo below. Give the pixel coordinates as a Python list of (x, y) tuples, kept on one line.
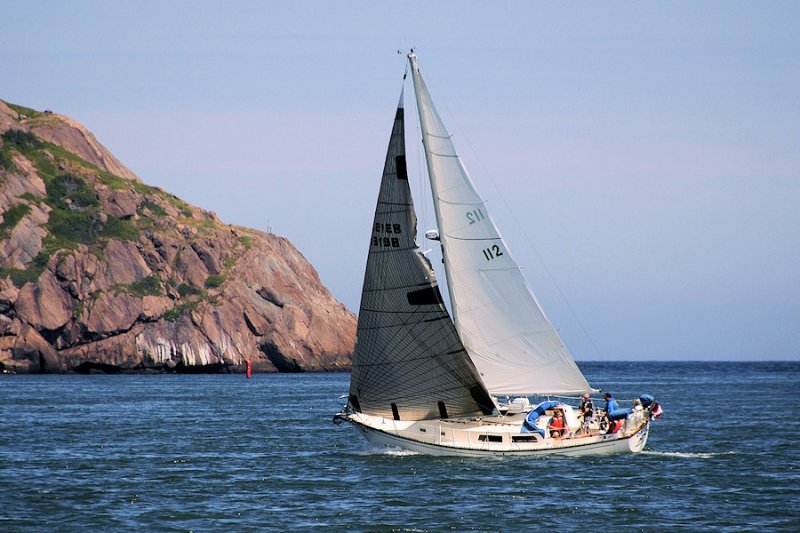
[(556, 425), (611, 405)]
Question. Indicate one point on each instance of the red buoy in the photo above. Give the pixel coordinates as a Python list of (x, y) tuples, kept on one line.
[(249, 369)]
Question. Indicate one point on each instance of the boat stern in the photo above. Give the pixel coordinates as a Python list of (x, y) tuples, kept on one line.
[(638, 440)]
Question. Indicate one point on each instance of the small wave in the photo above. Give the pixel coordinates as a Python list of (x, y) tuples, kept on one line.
[(395, 452), (398, 452), (690, 455)]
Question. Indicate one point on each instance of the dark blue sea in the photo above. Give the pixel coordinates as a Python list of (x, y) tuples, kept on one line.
[(223, 453)]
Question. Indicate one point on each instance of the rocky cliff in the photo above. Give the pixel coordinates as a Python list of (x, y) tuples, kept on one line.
[(101, 272)]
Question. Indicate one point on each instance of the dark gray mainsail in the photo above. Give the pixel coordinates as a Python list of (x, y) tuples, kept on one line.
[(409, 363)]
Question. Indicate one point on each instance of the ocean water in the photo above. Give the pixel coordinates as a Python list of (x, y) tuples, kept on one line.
[(223, 453)]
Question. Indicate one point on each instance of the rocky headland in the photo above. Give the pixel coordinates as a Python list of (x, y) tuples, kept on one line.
[(100, 272)]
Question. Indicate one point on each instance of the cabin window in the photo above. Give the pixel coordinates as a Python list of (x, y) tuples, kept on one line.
[(523, 438), (490, 438), (423, 430)]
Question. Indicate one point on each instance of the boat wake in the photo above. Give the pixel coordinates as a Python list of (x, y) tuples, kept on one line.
[(687, 455), (394, 452), (397, 452)]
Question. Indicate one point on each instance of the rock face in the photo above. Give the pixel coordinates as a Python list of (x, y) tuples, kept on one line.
[(100, 272)]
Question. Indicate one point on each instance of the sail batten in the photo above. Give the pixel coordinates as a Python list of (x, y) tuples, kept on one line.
[(509, 338)]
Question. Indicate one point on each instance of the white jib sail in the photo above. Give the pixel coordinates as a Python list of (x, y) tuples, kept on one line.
[(505, 331)]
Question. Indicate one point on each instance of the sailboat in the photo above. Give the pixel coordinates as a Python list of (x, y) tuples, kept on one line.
[(426, 381)]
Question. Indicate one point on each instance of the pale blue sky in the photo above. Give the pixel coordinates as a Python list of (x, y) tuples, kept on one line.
[(650, 151)]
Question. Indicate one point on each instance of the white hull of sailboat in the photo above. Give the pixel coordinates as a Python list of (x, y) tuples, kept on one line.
[(440, 438)]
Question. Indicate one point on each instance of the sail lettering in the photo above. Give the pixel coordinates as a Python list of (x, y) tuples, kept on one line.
[(382, 240), (386, 242), (475, 215), (492, 253), (380, 227)]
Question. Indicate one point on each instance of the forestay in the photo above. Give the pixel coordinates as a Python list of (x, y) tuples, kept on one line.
[(409, 362), (502, 326)]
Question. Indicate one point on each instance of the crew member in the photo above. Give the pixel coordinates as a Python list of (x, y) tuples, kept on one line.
[(587, 409), (611, 405), (556, 425)]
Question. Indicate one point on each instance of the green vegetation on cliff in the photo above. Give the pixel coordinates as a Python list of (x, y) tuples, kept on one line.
[(11, 217), (75, 216), (24, 111), (20, 277), (149, 286)]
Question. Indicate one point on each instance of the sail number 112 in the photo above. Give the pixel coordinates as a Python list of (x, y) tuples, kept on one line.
[(493, 252), (476, 215)]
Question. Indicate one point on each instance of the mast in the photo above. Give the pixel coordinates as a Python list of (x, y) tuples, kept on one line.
[(512, 343)]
